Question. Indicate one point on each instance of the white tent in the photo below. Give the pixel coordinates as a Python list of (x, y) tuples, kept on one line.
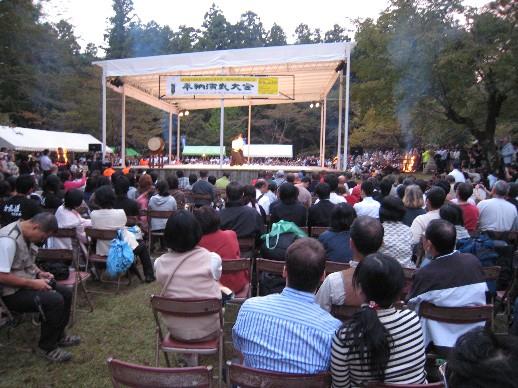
[(305, 73), (28, 139)]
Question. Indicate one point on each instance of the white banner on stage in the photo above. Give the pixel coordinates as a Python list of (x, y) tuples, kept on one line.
[(269, 151), (221, 85)]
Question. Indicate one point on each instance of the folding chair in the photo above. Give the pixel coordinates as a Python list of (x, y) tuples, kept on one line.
[(245, 377), (160, 214), (194, 308), (199, 197), (124, 374), (76, 277), (504, 297), (344, 312), (335, 266), (316, 231), (458, 315), (247, 246), (491, 275), (93, 258), (239, 265), (375, 384), (270, 266)]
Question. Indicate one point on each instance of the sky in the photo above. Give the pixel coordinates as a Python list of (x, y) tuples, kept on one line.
[(90, 17)]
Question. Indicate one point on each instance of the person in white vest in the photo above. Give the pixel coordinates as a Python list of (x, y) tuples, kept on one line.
[(26, 288)]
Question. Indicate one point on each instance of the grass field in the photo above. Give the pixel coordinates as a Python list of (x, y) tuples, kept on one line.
[(121, 326)]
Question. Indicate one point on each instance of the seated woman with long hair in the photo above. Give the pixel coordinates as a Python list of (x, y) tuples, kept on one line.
[(225, 244), (188, 271), (379, 343)]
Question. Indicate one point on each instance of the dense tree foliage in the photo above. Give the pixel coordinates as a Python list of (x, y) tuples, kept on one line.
[(425, 71)]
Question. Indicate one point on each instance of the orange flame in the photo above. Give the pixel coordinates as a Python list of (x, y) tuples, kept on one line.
[(409, 163)]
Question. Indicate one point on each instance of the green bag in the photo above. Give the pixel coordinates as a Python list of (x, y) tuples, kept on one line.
[(279, 228)]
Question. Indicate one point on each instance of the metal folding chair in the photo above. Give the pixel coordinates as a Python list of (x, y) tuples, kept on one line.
[(245, 377), (193, 308), (125, 374)]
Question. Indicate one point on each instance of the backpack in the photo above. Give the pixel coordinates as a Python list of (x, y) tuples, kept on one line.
[(120, 256), (281, 236), (280, 228), (482, 247)]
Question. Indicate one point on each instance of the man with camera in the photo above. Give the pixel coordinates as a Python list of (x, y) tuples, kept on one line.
[(26, 288)]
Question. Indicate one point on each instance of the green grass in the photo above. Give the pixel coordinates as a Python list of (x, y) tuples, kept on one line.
[(121, 326)]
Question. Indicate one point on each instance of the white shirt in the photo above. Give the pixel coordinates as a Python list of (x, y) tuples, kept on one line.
[(237, 144), (420, 224), (458, 175), (45, 163), (264, 201), (68, 219), (332, 290), (497, 214), (335, 198), (7, 252), (110, 219), (368, 207)]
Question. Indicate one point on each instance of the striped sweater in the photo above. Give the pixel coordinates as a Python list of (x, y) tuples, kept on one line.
[(407, 355)]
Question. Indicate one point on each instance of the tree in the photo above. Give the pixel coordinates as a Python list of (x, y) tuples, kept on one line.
[(337, 34), (117, 35), (303, 34), (215, 31), (276, 36), (249, 31)]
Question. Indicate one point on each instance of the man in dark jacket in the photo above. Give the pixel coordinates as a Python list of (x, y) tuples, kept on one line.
[(244, 220), (320, 213), (204, 189)]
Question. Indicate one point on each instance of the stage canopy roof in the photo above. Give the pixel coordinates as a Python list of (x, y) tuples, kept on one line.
[(28, 139), (305, 73)]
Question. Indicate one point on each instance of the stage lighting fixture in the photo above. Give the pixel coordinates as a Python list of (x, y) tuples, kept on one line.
[(180, 114), (311, 105), (317, 104), (186, 113)]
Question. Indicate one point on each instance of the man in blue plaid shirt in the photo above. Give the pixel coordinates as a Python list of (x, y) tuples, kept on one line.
[(289, 332)]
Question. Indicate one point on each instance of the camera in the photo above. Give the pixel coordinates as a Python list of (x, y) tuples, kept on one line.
[(52, 283)]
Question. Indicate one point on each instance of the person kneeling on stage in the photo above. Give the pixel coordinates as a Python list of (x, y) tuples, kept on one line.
[(26, 288)]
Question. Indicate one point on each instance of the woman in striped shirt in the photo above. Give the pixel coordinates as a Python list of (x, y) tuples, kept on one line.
[(379, 343)]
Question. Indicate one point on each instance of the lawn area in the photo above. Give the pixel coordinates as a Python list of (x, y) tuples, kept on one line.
[(121, 326)]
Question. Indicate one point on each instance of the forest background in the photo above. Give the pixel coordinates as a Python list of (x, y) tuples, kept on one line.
[(424, 72)]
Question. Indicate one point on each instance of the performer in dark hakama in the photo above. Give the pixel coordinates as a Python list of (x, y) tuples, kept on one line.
[(237, 158)]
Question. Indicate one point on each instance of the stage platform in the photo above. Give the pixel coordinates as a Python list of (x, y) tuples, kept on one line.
[(243, 174)]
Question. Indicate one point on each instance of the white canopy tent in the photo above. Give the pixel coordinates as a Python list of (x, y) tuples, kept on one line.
[(305, 73), (28, 139)]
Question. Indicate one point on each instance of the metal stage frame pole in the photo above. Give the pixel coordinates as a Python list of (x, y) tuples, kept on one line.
[(123, 128), (321, 130), (340, 109), (178, 137), (249, 128), (221, 130), (170, 134), (346, 123), (324, 119), (103, 114)]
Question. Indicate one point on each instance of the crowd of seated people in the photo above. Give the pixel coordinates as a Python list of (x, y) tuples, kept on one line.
[(380, 226)]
